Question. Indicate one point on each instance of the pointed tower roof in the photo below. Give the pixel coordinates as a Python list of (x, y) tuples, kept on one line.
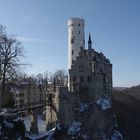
[(89, 42), (89, 39)]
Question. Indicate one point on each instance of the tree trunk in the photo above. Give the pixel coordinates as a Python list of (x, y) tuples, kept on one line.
[(3, 84)]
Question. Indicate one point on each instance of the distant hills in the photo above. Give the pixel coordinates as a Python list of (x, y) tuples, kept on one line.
[(126, 105), (119, 88), (132, 91)]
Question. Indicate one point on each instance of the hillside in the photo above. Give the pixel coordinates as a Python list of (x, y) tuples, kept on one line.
[(126, 105)]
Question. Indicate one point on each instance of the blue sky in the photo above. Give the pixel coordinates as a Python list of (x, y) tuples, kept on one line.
[(41, 25)]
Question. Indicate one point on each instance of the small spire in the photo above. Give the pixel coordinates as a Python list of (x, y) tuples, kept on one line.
[(89, 42)]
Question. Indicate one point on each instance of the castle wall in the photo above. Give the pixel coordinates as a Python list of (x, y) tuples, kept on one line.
[(91, 71)]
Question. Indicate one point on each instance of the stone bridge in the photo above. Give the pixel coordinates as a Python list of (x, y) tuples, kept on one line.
[(33, 108)]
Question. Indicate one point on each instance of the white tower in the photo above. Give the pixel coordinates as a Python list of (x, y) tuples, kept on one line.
[(76, 38)]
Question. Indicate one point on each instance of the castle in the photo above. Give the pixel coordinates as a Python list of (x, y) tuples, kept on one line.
[(87, 100)]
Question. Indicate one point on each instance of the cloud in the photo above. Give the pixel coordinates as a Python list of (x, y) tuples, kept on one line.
[(27, 18), (33, 40), (41, 24)]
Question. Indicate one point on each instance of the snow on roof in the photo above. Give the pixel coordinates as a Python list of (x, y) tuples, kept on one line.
[(104, 103)]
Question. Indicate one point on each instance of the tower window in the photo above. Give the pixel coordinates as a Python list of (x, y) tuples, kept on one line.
[(72, 52), (79, 24), (72, 41), (79, 32)]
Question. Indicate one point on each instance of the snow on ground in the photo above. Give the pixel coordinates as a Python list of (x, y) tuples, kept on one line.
[(83, 107), (41, 123), (3, 111), (19, 138), (27, 122), (8, 124), (41, 128), (47, 134), (104, 103), (75, 128), (18, 119), (116, 135)]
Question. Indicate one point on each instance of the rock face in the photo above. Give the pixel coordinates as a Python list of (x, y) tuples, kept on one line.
[(82, 109)]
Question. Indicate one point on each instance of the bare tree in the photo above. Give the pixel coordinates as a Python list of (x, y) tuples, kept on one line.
[(10, 53), (60, 77)]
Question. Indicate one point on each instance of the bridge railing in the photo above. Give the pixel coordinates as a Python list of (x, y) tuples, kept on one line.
[(30, 105)]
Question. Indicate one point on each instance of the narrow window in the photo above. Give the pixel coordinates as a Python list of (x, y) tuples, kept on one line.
[(81, 79), (72, 41), (72, 52), (74, 78), (106, 79), (79, 32), (81, 68), (93, 66), (85, 51), (89, 79), (79, 24)]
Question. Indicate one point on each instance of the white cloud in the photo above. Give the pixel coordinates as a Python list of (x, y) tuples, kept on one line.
[(41, 24), (33, 40)]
